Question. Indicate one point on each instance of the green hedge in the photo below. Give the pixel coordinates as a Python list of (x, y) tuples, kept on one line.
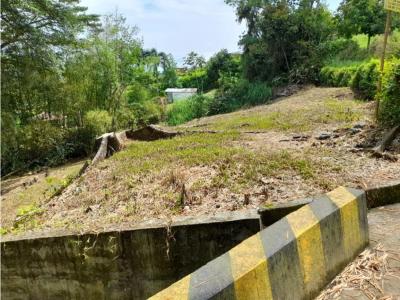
[(363, 79), (337, 77), (389, 112)]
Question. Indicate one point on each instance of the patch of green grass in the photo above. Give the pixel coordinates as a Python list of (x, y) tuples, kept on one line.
[(237, 167), (338, 63), (300, 120), (25, 219), (362, 40), (249, 167), (190, 150)]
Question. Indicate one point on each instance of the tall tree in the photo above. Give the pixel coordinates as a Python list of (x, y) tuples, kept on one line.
[(361, 16), (194, 60), (282, 37), (34, 36)]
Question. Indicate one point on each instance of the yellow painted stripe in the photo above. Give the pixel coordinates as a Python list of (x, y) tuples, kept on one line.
[(348, 205), (341, 196), (306, 228), (250, 270), (179, 290)]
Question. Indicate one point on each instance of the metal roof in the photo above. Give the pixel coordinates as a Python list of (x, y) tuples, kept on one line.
[(173, 90)]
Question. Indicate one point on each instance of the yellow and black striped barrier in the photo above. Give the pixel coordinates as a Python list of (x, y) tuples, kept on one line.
[(292, 259)]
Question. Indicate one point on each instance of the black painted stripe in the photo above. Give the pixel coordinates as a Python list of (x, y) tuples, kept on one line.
[(214, 280), (331, 228), (284, 266)]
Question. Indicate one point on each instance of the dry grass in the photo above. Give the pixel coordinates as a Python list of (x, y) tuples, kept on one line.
[(365, 275), (23, 196), (205, 173)]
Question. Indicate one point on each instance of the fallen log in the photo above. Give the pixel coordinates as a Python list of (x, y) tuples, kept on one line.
[(107, 144), (387, 139), (102, 151), (389, 136)]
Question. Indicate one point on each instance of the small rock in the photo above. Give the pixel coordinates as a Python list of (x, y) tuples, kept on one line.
[(324, 136), (186, 208), (88, 210), (359, 125), (355, 130), (218, 206)]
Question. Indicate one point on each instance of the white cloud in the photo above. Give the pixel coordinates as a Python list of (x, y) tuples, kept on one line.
[(178, 26)]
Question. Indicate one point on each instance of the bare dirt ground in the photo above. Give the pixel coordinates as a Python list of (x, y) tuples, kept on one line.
[(375, 274), (295, 147)]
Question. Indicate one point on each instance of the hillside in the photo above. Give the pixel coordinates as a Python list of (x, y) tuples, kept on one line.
[(294, 147)]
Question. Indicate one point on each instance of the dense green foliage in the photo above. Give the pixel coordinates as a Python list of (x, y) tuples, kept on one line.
[(238, 94), (390, 96), (337, 76), (185, 110), (362, 78), (365, 80), (233, 94), (283, 39), (65, 69), (360, 16), (69, 76)]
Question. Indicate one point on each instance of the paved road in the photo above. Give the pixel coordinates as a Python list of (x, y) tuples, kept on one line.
[(376, 273)]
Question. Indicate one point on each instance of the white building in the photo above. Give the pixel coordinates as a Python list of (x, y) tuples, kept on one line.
[(176, 94)]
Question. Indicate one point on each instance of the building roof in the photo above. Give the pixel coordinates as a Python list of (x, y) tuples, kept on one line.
[(173, 90)]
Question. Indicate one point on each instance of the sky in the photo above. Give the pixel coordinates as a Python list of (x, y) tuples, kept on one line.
[(180, 26)]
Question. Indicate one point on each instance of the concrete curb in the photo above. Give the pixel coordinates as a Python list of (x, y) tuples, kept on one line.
[(379, 195), (292, 259), (383, 195), (270, 215)]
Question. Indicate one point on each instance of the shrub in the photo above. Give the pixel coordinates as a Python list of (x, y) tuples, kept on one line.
[(147, 112), (365, 80), (42, 143), (390, 97), (185, 110), (337, 77), (236, 94), (125, 118), (362, 78), (9, 145), (99, 120), (393, 45), (344, 50), (79, 142), (137, 93), (194, 79)]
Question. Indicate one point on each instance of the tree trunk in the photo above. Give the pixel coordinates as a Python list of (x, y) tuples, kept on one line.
[(102, 152), (107, 144), (369, 42)]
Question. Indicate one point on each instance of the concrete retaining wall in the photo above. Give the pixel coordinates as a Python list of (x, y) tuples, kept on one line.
[(292, 259), (131, 264), (383, 194)]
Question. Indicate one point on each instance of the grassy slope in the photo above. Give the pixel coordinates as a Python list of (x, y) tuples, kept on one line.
[(205, 173), (23, 195)]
